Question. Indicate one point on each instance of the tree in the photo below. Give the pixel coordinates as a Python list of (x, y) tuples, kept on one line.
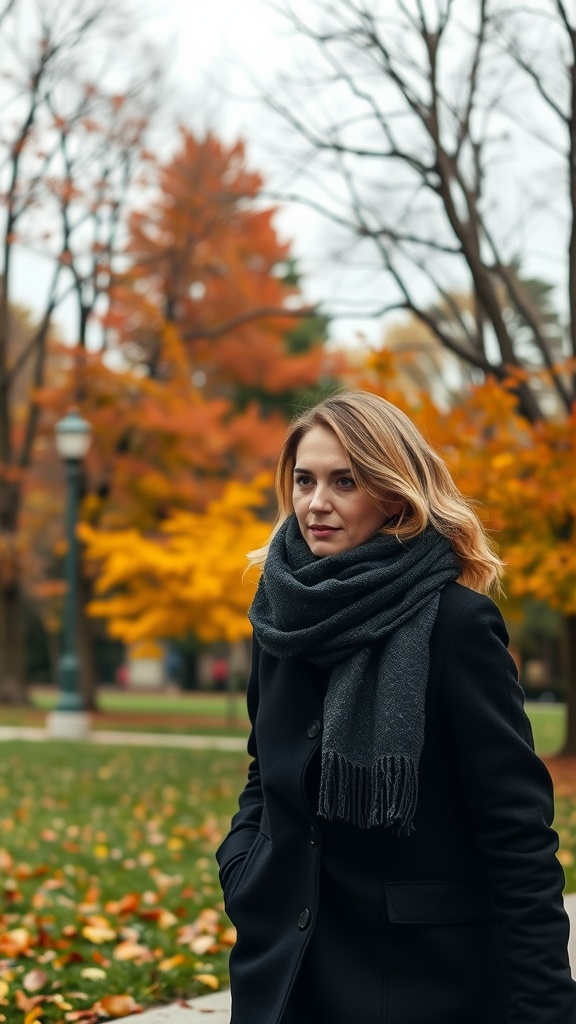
[(413, 133), (189, 577), (49, 198), (426, 364), (205, 257)]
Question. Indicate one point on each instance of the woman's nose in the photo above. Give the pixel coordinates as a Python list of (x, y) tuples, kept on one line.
[(320, 500)]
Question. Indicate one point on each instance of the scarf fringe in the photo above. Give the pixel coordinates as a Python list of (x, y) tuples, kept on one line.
[(383, 793)]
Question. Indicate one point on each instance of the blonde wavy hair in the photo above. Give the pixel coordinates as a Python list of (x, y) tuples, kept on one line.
[(390, 459)]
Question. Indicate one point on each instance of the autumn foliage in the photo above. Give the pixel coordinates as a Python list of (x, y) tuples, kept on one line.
[(188, 578), (205, 256), (520, 475)]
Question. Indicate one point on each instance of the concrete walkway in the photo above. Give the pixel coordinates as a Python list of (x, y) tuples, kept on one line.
[(214, 1008), (130, 739)]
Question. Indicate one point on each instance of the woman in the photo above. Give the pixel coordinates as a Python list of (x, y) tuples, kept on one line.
[(392, 860)]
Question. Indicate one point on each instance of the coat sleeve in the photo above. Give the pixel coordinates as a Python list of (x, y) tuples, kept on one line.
[(245, 824), (509, 799)]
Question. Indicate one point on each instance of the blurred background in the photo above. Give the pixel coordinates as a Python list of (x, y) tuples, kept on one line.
[(211, 217)]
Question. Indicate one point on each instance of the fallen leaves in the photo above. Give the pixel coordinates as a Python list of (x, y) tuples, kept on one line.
[(130, 950), (34, 980), (86, 938), (209, 980), (99, 933), (117, 1006), (15, 942)]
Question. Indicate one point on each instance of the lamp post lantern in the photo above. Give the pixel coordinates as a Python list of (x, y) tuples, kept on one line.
[(70, 720)]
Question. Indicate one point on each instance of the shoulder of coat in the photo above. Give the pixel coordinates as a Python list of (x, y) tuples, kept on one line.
[(455, 598)]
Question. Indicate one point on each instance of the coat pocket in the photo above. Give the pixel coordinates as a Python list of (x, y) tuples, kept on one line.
[(242, 868), (438, 903)]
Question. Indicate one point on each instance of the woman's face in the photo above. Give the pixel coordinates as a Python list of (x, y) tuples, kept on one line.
[(333, 514)]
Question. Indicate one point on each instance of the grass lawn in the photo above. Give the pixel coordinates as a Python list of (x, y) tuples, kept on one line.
[(548, 727), (107, 876)]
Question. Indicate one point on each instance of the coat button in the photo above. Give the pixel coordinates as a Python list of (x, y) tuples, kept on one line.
[(314, 729), (304, 919), (313, 835)]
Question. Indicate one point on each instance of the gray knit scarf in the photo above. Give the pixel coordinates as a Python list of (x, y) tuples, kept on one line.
[(367, 614)]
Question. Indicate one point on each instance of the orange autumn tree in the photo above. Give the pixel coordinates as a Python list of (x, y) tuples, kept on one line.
[(205, 257), (160, 443), (521, 476)]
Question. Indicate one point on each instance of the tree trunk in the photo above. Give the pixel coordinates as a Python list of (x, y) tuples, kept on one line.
[(86, 646), (13, 688), (569, 748)]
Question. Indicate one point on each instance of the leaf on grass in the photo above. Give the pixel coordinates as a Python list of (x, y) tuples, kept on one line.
[(166, 919), (59, 1001), (34, 980), (228, 937), (27, 1003), (209, 980), (171, 962), (15, 942), (98, 933), (117, 1006), (126, 905), (201, 944), (130, 950), (33, 1016), (73, 957), (99, 958), (92, 973), (6, 861)]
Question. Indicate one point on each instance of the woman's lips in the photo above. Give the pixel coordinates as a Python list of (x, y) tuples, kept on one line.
[(323, 531)]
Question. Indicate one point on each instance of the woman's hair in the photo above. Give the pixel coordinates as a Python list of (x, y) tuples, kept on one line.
[(391, 460)]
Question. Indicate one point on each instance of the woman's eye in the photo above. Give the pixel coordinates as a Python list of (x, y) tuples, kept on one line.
[(303, 481), (346, 482)]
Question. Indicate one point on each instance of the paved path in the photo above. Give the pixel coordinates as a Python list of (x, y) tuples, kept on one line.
[(215, 1008), (130, 739)]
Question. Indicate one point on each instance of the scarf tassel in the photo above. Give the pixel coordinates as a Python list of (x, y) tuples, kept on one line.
[(383, 793)]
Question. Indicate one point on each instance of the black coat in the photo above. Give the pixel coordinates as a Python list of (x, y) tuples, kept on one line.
[(460, 923)]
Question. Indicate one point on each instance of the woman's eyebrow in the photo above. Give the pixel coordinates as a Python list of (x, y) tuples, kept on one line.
[(333, 472)]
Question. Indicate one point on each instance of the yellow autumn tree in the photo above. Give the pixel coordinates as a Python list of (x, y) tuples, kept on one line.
[(188, 577)]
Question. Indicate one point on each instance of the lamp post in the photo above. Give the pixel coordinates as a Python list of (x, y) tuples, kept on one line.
[(69, 720)]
